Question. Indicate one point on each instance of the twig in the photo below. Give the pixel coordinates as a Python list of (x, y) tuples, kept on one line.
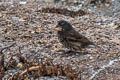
[(6, 47)]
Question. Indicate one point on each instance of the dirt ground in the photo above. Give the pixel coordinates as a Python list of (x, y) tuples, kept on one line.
[(30, 48)]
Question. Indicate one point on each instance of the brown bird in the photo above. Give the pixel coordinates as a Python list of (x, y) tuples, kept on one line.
[(70, 38)]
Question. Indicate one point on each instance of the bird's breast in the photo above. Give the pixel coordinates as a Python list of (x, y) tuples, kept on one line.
[(64, 41)]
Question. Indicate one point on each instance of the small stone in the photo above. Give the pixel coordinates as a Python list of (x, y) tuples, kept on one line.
[(19, 65), (90, 57)]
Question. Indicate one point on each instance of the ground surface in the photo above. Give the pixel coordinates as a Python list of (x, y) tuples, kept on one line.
[(31, 31)]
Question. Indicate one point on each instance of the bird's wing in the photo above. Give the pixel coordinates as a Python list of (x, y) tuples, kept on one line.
[(76, 37)]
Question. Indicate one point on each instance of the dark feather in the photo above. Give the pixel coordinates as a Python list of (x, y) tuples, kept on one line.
[(70, 38), (74, 36)]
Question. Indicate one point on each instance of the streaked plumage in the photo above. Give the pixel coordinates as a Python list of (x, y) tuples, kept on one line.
[(70, 38)]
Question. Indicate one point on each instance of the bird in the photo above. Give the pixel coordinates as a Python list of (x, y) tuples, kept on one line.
[(70, 38)]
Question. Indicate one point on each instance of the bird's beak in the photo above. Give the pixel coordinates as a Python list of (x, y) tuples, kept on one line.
[(58, 29)]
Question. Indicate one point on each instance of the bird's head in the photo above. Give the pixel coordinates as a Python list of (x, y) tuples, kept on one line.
[(63, 26)]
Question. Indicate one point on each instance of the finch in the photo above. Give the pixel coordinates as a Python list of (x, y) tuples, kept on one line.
[(70, 38)]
